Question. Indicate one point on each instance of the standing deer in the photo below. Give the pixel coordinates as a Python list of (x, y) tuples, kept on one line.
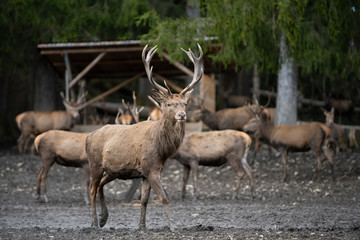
[(32, 123), (64, 148), (215, 148), (285, 138), (140, 150), (337, 131)]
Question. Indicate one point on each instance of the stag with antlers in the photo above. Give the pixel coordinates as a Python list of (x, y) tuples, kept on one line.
[(32, 123), (140, 150)]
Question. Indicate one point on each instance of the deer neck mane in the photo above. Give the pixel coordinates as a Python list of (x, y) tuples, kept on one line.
[(168, 136)]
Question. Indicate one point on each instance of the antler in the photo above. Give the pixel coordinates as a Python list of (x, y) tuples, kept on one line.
[(148, 70), (197, 69), (154, 101), (134, 111)]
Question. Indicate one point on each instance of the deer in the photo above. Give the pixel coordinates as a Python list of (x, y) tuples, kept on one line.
[(258, 138), (215, 148), (155, 112), (32, 123), (64, 148), (140, 150), (130, 115), (313, 136), (337, 131)]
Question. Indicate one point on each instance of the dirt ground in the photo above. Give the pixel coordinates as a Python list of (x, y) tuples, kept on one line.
[(299, 209)]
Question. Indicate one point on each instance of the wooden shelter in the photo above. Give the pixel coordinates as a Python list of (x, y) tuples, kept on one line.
[(120, 60)]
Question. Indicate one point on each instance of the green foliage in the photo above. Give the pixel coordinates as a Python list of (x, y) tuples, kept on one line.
[(321, 35)]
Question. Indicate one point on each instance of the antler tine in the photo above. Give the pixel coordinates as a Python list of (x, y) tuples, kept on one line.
[(198, 71), (134, 100), (148, 70), (154, 101)]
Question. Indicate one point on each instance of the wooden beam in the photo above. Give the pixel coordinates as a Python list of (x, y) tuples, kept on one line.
[(89, 50), (112, 90), (87, 69), (179, 65)]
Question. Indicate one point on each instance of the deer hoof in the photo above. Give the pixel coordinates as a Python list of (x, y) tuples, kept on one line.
[(142, 227), (103, 218)]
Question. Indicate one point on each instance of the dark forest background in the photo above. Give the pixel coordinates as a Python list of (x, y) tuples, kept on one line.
[(322, 36)]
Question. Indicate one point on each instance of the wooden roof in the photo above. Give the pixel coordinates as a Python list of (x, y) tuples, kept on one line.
[(122, 59)]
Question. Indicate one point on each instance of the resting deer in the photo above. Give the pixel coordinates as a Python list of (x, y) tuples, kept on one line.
[(130, 115), (140, 150), (337, 131), (285, 138), (32, 123), (155, 113), (215, 148), (64, 148)]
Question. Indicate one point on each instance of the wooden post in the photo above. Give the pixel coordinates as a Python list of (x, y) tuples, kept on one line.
[(87, 69), (68, 75)]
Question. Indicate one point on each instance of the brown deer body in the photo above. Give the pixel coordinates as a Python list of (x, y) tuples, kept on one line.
[(258, 138), (215, 148), (337, 131), (140, 150), (286, 138), (64, 148), (228, 118), (32, 123)]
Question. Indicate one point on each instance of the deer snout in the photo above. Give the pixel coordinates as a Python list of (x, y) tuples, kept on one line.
[(180, 116)]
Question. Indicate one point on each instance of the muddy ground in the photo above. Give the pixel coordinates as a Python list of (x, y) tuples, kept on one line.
[(302, 208)]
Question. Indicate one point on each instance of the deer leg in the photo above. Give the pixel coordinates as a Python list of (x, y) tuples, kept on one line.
[(145, 193), (284, 154), (256, 149), (26, 143), (38, 182), (46, 167), (104, 212), (185, 179), (86, 174), (234, 163), (248, 171), (154, 180), (96, 174), (194, 166), (20, 143), (330, 156)]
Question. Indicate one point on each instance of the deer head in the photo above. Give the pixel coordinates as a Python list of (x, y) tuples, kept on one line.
[(329, 115), (74, 107), (173, 104)]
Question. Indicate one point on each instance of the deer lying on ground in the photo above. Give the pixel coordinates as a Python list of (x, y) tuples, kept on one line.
[(140, 150), (285, 138), (336, 130), (130, 115), (64, 148), (32, 123), (215, 148)]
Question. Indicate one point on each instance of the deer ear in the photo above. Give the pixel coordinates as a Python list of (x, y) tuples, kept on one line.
[(159, 96)]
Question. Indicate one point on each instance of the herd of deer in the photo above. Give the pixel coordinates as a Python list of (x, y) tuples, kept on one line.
[(133, 149)]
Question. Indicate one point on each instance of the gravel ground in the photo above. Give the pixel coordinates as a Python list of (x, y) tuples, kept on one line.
[(299, 209)]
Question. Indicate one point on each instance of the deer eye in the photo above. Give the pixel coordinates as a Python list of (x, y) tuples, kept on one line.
[(168, 104)]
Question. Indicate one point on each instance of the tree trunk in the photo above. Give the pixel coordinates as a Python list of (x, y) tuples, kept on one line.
[(256, 85), (286, 102)]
